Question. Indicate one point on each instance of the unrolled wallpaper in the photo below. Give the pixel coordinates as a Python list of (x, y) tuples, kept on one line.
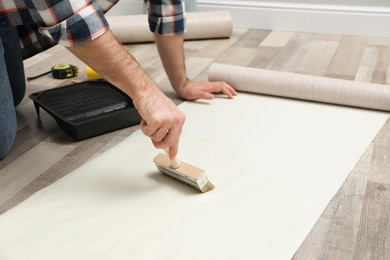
[(276, 163)]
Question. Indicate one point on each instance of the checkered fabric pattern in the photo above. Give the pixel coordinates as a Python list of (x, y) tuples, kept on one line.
[(76, 22), (166, 16)]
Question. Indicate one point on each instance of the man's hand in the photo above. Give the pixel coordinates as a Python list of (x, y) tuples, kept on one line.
[(171, 51), (205, 90), (162, 121)]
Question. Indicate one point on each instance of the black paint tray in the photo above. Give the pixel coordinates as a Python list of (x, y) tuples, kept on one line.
[(87, 109)]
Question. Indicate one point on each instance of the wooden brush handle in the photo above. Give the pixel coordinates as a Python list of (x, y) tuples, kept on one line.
[(175, 163)]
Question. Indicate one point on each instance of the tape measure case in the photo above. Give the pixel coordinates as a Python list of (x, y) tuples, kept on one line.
[(87, 109)]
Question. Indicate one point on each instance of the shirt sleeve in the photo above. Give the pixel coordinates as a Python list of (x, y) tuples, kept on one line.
[(83, 26), (166, 16)]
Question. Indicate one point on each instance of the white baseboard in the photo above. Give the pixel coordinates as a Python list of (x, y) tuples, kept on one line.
[(335, 19), (128, 7)]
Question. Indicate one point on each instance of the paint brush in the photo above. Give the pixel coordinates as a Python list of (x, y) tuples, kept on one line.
[(183, 172)]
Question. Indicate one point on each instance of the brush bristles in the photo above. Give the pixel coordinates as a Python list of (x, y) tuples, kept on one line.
[(208, 187)]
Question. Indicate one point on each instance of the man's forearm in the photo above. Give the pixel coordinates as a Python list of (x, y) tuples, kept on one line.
[(161, 120), (171, 52), (108, 57)]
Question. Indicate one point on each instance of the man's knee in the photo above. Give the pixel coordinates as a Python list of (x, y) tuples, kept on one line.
[(8, 125), (6, 144), (8, 128)]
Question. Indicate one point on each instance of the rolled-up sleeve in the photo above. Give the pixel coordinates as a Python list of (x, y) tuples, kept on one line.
[(166, 16), (83, 25)]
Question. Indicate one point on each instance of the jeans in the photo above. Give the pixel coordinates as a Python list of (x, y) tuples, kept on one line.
[(12, 86)]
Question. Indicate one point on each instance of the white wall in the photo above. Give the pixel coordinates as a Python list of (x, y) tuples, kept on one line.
[(377, 3), (126, 7), (322, 16), (294, 16)]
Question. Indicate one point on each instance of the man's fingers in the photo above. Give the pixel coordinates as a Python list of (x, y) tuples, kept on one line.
[(228, 90), (160, 134), (206, 95), (222, 87), (161, 137), (170, 140), (173, 150), (147, 129)]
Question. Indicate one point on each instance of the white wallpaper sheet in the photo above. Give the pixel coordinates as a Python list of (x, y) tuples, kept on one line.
[(276, 164)]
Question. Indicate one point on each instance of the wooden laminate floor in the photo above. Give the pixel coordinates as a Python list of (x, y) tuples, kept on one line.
[(356, 223)]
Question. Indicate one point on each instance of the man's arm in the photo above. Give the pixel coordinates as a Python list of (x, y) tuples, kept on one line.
[(83, 28), (162, 121), (171, 51)]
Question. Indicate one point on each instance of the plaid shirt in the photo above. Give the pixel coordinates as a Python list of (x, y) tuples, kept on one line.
[(43, 23)]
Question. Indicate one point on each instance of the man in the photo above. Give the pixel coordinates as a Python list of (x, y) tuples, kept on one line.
[(83, 29), (11, 74)]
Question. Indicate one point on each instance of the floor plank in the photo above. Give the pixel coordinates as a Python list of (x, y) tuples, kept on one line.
[(374, 228), (355, 224)]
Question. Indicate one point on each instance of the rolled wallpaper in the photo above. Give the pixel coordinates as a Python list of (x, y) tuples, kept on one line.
[(305, 87), (200, 25)]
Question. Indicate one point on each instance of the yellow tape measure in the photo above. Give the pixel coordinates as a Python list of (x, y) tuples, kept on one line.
[(64, 71), (60, 71)]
